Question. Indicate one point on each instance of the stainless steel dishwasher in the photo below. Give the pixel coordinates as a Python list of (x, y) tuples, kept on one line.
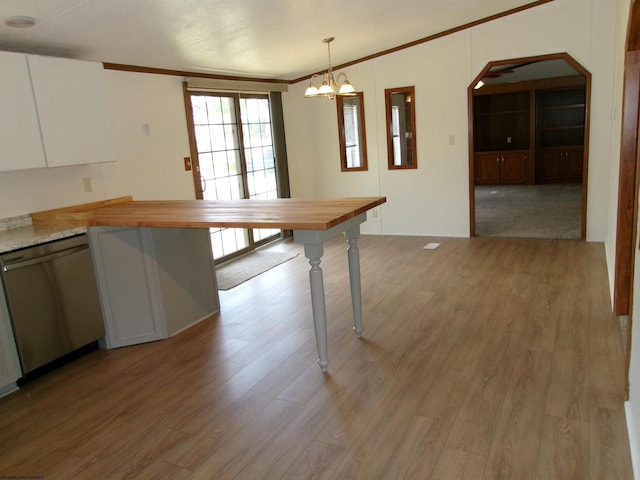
[(53, 300)]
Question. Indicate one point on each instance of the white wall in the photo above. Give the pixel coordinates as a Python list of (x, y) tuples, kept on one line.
[(618, 56), (433, 200), (147, 167)]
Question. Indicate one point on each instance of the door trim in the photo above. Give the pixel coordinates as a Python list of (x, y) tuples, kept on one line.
[(549, 83)]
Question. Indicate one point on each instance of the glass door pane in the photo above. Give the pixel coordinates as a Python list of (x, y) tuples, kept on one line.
[(258, 148), (222, 124)]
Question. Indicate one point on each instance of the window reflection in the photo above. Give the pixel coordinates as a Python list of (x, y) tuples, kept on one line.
[(401, 138), (351, 131)]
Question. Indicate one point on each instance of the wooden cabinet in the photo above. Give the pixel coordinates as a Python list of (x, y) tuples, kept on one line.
[(529, 136), (53, 112), (502, 138), (502, 122), (20, 138), (503, 168), (560, 165), (560, 117), (153, 282), (560, 135)]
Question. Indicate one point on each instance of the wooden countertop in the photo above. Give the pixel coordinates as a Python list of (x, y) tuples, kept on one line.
[(283, 213)]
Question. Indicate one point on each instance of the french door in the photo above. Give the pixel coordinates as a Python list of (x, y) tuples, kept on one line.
[(235, 160)]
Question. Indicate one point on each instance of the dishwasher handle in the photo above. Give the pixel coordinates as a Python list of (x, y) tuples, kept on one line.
[(45, 258)]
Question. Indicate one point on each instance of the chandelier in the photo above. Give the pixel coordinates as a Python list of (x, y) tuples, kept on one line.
[(329, 87)]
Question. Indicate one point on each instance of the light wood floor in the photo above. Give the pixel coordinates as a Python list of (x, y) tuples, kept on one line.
[(483, 359)]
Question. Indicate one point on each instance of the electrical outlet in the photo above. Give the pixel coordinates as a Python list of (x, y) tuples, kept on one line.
[(187, 164), (374, 213), (86, 183)]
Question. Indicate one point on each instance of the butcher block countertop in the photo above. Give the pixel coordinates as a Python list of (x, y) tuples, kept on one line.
[(283, 213)]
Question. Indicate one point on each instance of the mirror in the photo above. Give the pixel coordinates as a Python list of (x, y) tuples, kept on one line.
[(401, 127), (351, 132)]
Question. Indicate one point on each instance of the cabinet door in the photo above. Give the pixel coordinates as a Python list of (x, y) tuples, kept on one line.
[(573, 165), (127, 281), (9, 362), (20, 140), (186, 275), (71, 100), (515, 168), (550, 166), (487, 168)]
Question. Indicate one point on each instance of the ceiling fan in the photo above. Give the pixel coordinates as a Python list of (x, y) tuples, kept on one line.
[(499, 70)]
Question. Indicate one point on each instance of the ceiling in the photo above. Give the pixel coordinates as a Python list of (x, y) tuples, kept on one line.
[(529, 71), (253, 38)]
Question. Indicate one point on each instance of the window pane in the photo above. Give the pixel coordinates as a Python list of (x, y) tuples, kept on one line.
[(269, 160), (252, 112), (216, 133), (265, 113), (203, 139), (228, 110), (206, 164), (216, 243), (233, 162), (214, 110), (199, 108), (230, 137), (220, 165)]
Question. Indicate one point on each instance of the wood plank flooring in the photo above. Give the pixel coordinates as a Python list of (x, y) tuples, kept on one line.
[(483, 359)]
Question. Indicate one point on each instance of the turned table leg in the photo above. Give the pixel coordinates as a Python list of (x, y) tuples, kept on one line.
[(313, 241), (314, 254), (354, 278)]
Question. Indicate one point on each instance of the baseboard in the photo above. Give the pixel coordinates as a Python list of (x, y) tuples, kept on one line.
[(634, 446), (195, 322)]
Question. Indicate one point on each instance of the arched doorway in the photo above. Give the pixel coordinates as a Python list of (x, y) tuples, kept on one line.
[(529, 130)]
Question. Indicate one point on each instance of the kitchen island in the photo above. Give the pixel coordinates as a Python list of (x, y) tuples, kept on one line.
[(313, 221)]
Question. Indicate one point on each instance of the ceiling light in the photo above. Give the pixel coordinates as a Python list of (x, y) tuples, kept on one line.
[(329, 87), (20, 21)]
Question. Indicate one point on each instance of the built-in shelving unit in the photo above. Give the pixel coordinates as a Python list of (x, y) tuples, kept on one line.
[(502, 122), (560, 135), (529, 135), (502, 138)]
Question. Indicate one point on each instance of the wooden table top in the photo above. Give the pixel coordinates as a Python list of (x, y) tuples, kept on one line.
[(283, 213)]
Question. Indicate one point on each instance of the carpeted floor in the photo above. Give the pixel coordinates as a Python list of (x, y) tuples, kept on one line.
[(529, 211)]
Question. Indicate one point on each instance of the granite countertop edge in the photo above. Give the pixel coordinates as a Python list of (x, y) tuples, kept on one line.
[(18, 232)]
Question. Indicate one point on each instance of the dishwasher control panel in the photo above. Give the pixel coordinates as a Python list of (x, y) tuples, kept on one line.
[(15, 258)]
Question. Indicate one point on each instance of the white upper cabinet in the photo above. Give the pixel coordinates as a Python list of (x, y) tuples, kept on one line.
[(71, 101), (52, 111), (20, 140)]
